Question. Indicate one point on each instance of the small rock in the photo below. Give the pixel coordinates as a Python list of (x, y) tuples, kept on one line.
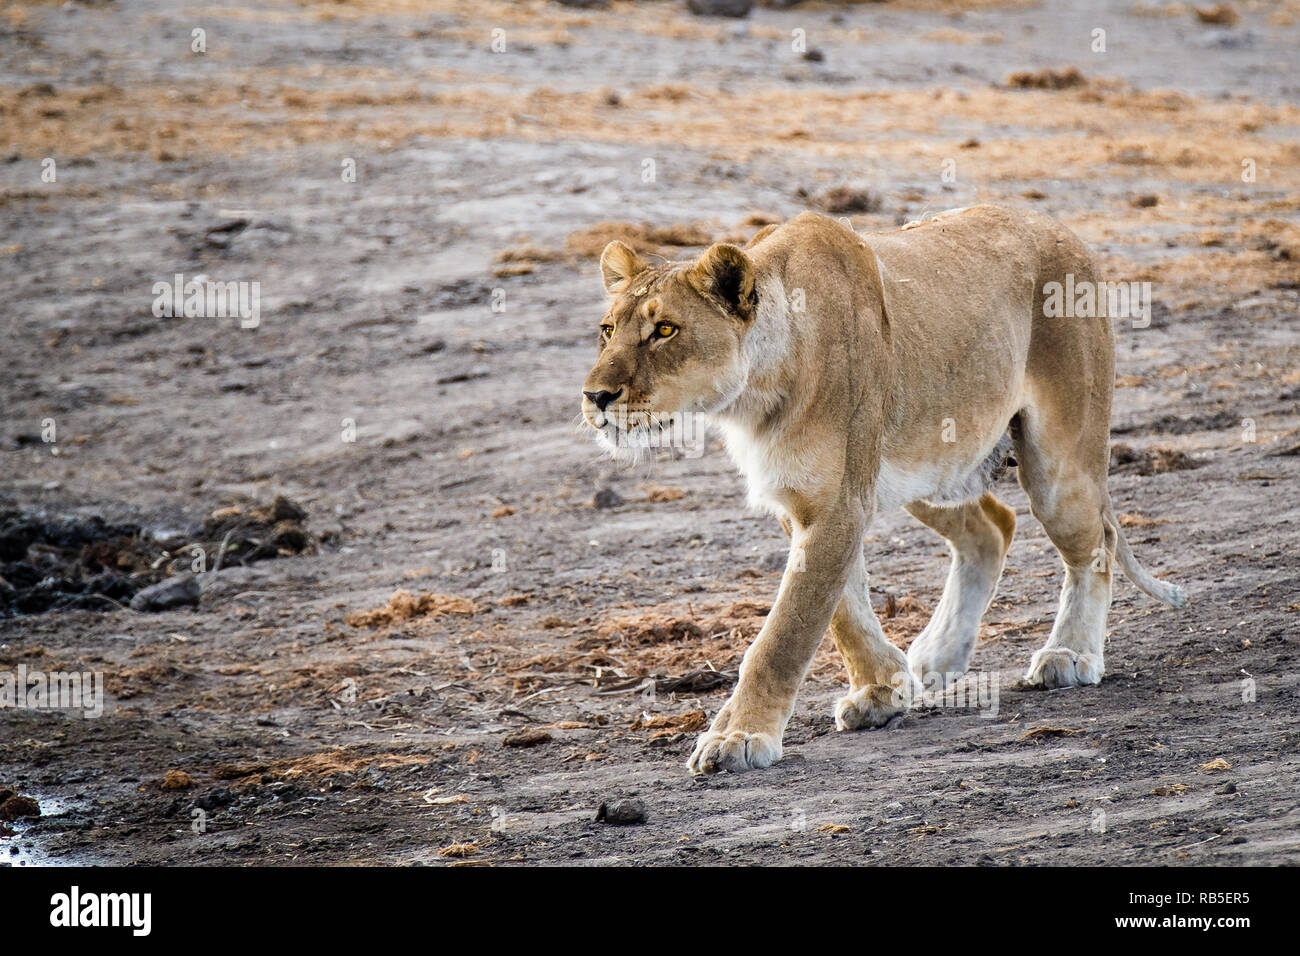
[(180, 591), (229, 581), (1228, 787), (622, 813), (720, 8), (215, 799), (526, 738), (607, 498)]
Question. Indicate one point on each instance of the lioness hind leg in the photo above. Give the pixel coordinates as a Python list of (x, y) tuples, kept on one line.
[(881, 685), (1068, 496), (979, 535), (1062, 442)]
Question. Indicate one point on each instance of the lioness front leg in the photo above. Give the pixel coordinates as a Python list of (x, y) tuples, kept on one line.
[(747, 732), (880, 681)]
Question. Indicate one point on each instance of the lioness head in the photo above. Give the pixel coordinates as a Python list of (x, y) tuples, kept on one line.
[(671, 342)]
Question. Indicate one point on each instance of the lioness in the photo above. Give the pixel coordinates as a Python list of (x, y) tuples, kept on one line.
[(851, 374)]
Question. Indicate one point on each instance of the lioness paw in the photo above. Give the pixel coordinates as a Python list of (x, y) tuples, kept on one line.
[(871, 706), (1061, 667), (734, 750), (937, 663)]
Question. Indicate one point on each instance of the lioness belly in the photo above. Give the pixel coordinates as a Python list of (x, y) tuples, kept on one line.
[(941, 483), (959, 297)]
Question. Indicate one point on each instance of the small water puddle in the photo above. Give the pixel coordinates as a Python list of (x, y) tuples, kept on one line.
[(26, 848)]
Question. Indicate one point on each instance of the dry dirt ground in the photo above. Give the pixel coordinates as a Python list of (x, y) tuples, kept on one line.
[(444, 306)]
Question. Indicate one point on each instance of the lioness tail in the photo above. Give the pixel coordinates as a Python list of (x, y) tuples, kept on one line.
[(1164, 591)]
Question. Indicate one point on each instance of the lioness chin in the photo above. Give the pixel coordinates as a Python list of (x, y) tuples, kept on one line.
[(851, 374)]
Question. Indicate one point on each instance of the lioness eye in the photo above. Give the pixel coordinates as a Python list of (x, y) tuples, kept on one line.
[(665, 329), (605, 332)]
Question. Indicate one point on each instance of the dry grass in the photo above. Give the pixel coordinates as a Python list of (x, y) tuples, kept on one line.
[(961, 37), (668, 641), (458, 850), (1062, 79), (662, 495), (1132, 520), (1218, 15), (267, 110), (325, 764), (665, 725), (404, 606), (1065, 135), (648, 240), (339, 761)]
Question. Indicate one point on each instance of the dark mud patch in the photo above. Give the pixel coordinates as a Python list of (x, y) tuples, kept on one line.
[(1175, 424), (256, 534), (56, 563), (61, 562), (1126, 460)]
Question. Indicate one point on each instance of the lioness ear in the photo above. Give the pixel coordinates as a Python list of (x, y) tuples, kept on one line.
[(725, 275), (618, 265)]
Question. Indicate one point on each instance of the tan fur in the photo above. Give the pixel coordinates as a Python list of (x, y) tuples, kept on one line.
[(913, 355)]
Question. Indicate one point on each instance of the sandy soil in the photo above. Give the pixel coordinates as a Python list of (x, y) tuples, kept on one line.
[(445, 305)]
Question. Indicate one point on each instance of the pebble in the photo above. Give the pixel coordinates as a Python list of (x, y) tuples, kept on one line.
[(622, 813), (720, 8), (180, 591), (607, 498)]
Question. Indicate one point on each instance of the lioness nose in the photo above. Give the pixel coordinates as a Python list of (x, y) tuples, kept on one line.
[(602, 398)]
